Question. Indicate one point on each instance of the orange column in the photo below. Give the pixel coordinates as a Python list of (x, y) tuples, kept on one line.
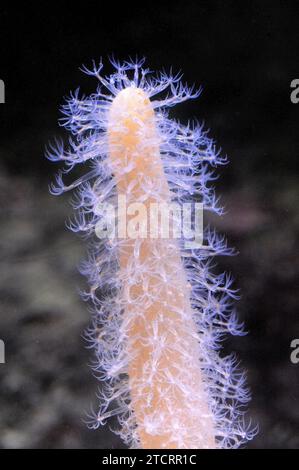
[(166, 384)]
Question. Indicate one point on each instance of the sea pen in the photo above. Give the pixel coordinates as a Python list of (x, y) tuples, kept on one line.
[(159, 310)]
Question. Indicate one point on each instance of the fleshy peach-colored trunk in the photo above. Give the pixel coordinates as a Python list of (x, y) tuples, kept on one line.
[(166, 386)]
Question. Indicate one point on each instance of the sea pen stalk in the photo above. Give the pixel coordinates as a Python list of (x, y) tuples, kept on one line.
[(159, 311), (166, 386)]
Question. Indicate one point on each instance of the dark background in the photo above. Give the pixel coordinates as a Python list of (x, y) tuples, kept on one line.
[(244, 54)]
